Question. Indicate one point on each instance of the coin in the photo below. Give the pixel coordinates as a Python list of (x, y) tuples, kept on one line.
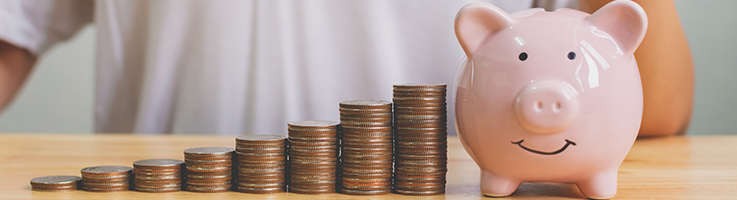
[(261, 163), (366, 104), (106, 178), (313, 156), (55, 183), (158, 164), (209, 151), (208, 169), (106, 170), (367, 147), (420, 121), (261, 139)]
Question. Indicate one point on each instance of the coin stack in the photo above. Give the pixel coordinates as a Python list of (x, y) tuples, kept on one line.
[(261, 163), (157, 175), (366, 136), (208, 169), (55, 183), (106, 178), (313, 156), (420, 122)]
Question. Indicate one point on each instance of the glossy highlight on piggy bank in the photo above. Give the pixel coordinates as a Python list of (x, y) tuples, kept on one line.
[(549, 96)]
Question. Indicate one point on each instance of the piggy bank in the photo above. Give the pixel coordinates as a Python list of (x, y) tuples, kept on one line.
[(549, 96)]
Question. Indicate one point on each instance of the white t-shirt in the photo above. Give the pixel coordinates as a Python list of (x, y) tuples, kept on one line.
[(245, 66)]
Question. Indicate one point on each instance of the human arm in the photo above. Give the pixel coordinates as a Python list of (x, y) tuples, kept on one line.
[(15, 65), (666, 68), (29, 28)]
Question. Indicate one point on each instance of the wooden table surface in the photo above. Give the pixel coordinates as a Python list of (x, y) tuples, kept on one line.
[(703, 167)]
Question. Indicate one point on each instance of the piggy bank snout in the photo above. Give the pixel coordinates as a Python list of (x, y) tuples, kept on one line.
[(547, 106)]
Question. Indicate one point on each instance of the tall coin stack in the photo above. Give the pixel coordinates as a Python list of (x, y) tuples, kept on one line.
[(55, 183), (366, 154), (106, 178), (157, 175), (420, 122), (313, 156), (261, 162), (208, 169)]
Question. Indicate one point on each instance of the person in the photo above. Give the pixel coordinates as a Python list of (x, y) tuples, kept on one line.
[(243, 67)]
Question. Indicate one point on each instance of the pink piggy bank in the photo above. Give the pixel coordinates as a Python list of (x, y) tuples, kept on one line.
[(549, 96)]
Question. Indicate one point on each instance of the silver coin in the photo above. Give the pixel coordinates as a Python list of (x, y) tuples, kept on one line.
[(421, 85), (209, 151), (59, 179), (111, 184), (313, 123), (158, 163), (106, 169), (366, 102), (261, 138)]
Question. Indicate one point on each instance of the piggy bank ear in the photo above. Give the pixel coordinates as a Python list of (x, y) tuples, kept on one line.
[(477, 21), (625, 21)]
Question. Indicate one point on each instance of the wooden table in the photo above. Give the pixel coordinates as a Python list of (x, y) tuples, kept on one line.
[(703, 167)]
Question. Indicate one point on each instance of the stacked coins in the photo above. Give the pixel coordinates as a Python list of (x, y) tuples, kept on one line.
[(366, 136), (421, 139), (261, 163), (106, 178), (157, 175), (55, 183), (313, 156), (208, 169)]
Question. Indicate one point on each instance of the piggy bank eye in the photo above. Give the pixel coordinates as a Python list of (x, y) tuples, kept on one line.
[(523, 56), (571, 55)]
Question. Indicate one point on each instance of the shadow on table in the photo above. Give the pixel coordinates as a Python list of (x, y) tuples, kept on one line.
[(538, 189)]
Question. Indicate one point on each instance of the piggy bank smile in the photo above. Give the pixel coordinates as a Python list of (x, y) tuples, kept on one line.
[(568, 143)]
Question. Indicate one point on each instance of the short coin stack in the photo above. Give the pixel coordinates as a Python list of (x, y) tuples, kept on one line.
[(157, 175), (261, 162), (366, 153), (313, 156), (420, 122), (55, 183), (106, 178), (208, 169)]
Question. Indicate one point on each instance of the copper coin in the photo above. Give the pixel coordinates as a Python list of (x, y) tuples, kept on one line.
[(54, 189), (386, 145), (261, 139), (106, 170), (158, 164), (366, 117), (56, 181), (419, 193), (151, 190), (374, 187), (209, 184), (209, 176), (311, 190), (313, 143), (208, 189), (120, 189), (420, 95), (157, 171), (428, 187), (209, 151), (260, 190), (111, 180), (312, 124), (311, 133), (420, 86), (364, 192), (406, 100), (361, 175)]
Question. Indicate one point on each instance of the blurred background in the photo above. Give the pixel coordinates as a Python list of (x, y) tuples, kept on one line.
[(58, 97)]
